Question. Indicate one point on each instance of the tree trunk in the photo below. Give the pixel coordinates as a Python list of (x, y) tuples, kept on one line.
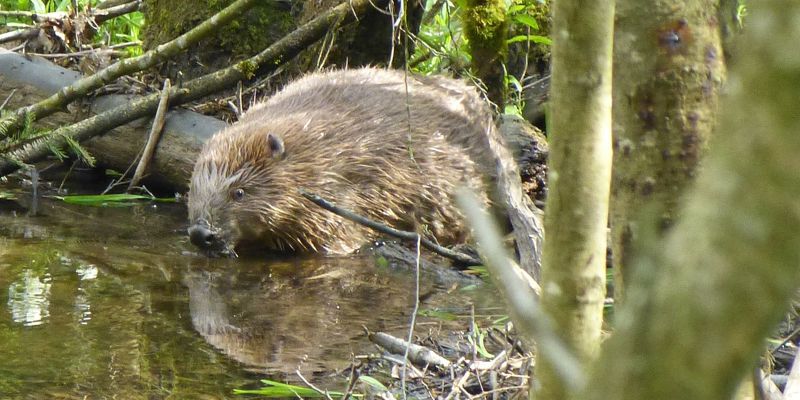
[(697, 313), (485, 27), (573, 273), (668, 68)]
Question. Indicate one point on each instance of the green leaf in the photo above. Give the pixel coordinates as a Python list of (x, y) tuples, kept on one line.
[(528, 20), (516, 8), (110, 200), (56, 151), (7, 196), (438, 314), (113, 173), (78, 150), (512, 109), (533, 38), (373, 382), (62, 6), (278, 389), (38, 6)]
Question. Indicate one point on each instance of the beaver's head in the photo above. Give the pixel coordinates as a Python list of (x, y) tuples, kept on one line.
[(231, 190)]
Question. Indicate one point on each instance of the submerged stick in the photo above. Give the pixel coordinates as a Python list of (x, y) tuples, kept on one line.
[(418, 355), (387, 230)]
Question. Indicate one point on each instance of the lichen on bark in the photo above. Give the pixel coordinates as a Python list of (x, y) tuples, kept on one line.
[(668, 68)]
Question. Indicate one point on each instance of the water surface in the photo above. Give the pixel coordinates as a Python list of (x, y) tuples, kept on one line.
[(113, 302)]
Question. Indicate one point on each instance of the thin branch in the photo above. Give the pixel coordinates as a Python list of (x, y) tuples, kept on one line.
[(413, 322), (152, 139), (113, 3), (406, 235), (102, 15), (163, 52), (90, 51), (10, 95), (21, 34), (309, 384), (20, 14), (79, 53), (284, 49), (418, 355)]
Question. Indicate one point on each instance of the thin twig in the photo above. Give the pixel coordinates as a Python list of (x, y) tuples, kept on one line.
[(105, 14), (8, 98), (155, 135), (20, 14), (413, 319), (457, 385), (79, 53), (353, 378), (406, 235), (21, 34), (113, 3), (309, 384), (788, 338)]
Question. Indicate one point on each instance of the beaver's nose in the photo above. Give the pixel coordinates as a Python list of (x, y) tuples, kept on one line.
[(201, 236)]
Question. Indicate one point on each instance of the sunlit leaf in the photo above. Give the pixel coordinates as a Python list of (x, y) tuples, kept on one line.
[(527, 20), (533, 38), (39, 6), (373, 382), (516, 8)]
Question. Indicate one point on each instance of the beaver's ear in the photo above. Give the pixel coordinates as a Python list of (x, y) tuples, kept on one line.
[(275, 145)]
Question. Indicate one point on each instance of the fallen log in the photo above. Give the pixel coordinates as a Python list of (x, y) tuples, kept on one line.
[(31, 79)]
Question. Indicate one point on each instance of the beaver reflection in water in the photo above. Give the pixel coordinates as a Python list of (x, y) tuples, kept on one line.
[(390, 149)]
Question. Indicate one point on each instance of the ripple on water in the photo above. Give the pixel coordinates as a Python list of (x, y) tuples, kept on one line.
[(29, 298)]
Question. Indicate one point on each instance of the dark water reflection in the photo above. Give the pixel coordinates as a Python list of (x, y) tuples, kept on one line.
[(110, 302)]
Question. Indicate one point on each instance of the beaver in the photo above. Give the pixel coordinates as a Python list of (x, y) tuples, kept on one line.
[(390, 146)]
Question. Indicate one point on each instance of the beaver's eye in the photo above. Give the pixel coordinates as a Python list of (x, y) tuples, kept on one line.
[(237, 194)]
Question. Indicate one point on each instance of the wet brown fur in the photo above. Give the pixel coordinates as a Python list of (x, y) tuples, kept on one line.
[(346, 137)]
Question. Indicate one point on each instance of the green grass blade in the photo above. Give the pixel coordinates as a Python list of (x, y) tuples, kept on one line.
[(110, 200), (275, 389)]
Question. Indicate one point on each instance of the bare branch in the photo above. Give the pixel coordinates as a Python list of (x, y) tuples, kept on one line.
[(406, 235)]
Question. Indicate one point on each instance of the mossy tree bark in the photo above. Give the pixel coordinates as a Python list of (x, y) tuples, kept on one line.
[(486, 28), (696, 315), (254, 31), (573, 268), (668, 68), (367, 43), (373, 41)]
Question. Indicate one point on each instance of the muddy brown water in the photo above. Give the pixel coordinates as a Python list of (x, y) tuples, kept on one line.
[(113, 303)]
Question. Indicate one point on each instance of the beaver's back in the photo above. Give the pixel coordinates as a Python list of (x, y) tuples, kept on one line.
[(433, 103)]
